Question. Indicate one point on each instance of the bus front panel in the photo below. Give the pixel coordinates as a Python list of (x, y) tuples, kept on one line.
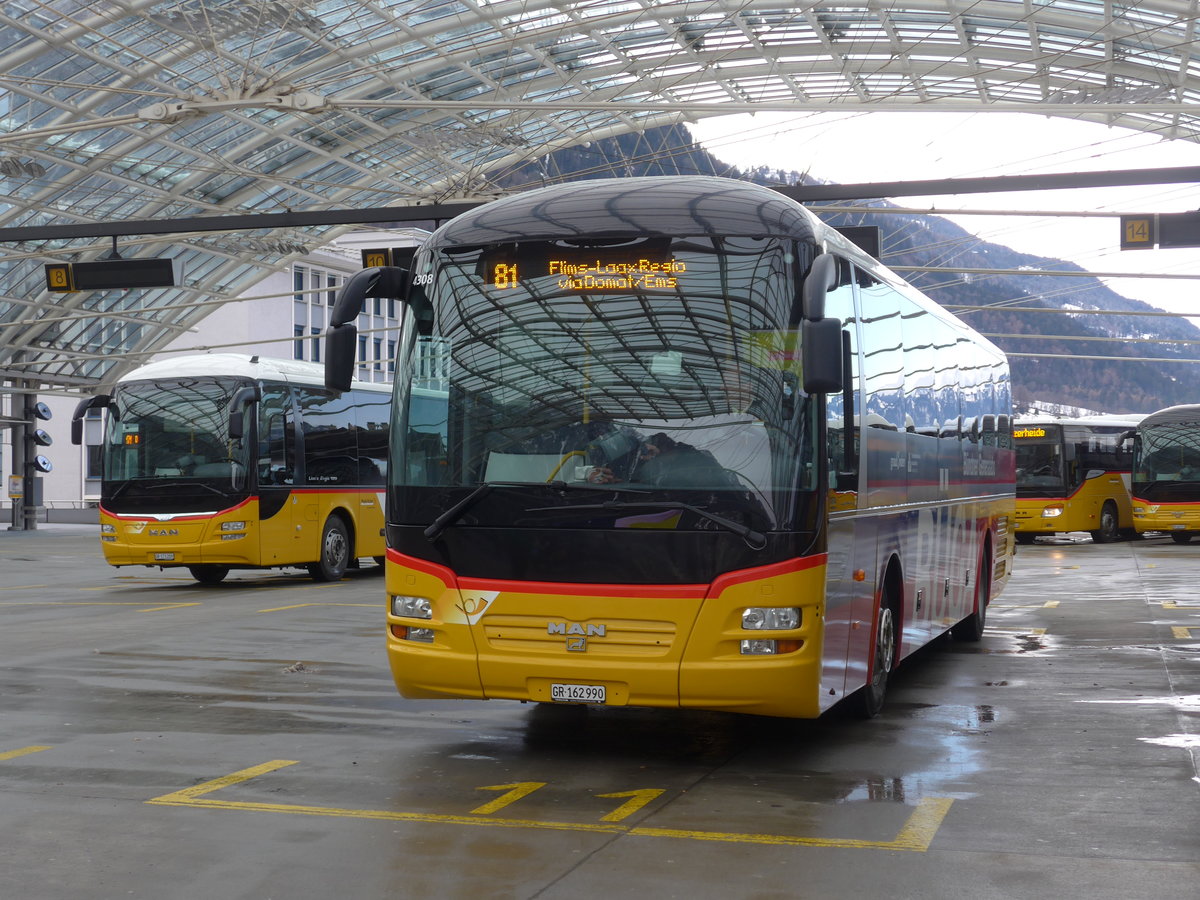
[(692, 646)]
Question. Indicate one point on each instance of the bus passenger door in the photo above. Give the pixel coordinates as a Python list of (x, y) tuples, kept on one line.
[(841, 502), (280, 515)]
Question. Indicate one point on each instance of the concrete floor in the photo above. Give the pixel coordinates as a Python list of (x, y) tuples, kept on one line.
[(160, 739)]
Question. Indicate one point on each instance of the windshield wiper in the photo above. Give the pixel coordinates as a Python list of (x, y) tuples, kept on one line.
[(454, 513), (756, 539)]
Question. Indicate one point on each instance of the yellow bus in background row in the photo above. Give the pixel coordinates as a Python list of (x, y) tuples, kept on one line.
[(1073, 474), (222, 461), (1166, 473)]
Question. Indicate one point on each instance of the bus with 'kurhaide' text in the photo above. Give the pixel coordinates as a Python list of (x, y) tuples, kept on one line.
[(1166, 473), (1073, 476), (673, 442), (217, 461)]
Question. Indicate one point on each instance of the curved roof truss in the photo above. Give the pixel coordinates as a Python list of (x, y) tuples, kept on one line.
[(143, 109)]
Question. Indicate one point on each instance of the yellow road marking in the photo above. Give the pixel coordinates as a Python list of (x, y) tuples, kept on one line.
[(1183, 632), (515, 793), (629, 807), (379, 606), (916, 834), (24, 751), (98, 603)]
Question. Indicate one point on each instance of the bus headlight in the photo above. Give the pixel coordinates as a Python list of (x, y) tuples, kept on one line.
[(1050, 512), (419, 635), (105, 528), (233, 526), (407, 607), (770, 618)]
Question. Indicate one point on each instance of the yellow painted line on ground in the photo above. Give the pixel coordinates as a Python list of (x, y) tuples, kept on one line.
[(1005, 629), (1049, 604), (379, 606), (24, 751), (1183, 632), (916, 834), (98, 603)]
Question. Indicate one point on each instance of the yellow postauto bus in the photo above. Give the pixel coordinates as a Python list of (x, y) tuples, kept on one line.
[(222, 461), (692, 449), (1073, 475), (1166, 473)]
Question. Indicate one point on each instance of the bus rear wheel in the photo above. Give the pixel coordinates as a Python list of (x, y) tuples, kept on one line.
[(335, 552), (870, 696), (1109, 529), (971, 628), (209, 574)]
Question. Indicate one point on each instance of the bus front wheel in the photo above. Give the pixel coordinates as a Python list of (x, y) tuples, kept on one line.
[(870, 696), (1181, 537), (335, 552), (1109, 529), (209, 574)]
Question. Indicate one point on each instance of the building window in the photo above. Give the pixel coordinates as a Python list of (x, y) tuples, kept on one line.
[(298, 349)]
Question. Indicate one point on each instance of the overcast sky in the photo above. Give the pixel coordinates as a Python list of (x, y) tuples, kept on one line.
[(866, 147)]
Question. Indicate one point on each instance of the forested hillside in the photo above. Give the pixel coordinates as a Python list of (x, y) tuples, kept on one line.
[(1101, 385)]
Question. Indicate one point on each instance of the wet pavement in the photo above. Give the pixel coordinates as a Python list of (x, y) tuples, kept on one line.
[(162, 739)]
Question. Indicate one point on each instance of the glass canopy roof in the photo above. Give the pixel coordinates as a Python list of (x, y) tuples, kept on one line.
[(140, 110)]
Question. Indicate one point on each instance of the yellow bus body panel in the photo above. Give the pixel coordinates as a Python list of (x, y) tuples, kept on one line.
[(1080, 511), (290, 537), (648, 645), (1170, 516)]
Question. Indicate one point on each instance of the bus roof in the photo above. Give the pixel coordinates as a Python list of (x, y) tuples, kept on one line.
[(1119, 420), (239, 365), (1173, 415)]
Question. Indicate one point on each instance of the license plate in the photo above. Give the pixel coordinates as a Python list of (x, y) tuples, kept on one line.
[(164, 557), (577, 693)]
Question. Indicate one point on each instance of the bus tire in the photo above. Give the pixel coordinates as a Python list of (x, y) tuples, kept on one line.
[(1024, 537), (970, 629), (870, 696), (335, 552), (1181, 537), (209, 574), (1109, 529)]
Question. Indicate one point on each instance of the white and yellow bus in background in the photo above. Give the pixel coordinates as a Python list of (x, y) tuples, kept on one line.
[(1073, 474), (1166, 473), (223, 461)]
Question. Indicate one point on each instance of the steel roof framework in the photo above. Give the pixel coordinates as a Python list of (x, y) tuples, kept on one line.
[(135, 110)]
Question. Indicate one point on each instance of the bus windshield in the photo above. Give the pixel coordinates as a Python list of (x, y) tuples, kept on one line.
[(1168, 462), (652, 368), (1040, 460), (169, 450)]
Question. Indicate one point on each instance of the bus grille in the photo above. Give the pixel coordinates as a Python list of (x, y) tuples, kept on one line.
[(620, 638)]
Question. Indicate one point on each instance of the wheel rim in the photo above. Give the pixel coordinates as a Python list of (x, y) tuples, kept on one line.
[(335, 548), (885, 642), (1108, 521)]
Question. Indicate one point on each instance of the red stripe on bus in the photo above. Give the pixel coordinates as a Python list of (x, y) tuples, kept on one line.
[(680, 591), (179, 518)]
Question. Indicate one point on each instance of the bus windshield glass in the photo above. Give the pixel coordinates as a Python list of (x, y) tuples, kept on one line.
[(1039, 460), (1168, 462), (169, 450), (652, 368)]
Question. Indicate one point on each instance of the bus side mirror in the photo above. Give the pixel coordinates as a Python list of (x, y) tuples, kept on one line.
[(100, 401), (821, 355), (822, 278), (244, 397), (341, 338)]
